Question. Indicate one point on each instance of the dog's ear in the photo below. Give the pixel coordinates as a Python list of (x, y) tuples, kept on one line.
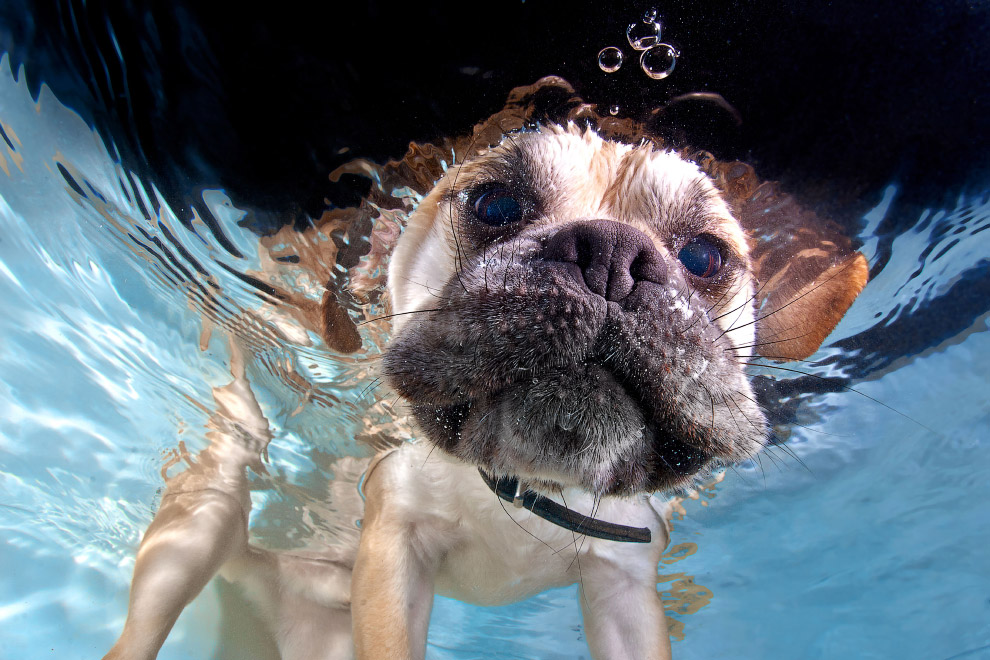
[(337, 329), (807, 272), (552, 100)]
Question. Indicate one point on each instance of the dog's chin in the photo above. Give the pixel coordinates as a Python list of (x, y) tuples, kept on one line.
[(574, 428)]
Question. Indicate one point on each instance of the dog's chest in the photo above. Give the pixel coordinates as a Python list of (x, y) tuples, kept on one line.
[(501, 555), (492, 553)]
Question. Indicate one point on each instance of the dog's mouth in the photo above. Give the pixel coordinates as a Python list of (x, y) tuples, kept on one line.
[(616, 416), (542, 378), (583, 428), (609, 448)]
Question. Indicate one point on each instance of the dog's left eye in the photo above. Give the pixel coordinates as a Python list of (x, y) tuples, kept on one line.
[(701, 256), (497, 207)]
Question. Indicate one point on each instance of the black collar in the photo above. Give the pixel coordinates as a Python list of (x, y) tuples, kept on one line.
[(508, 489)]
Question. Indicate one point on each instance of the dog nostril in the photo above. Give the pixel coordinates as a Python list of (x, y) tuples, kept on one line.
[(610, 256), (584, 252), (639, 268)]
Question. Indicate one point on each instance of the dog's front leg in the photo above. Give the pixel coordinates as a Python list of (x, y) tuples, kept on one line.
[(392, 585), (201, 523), (191, 536), (625, 619), (623, 612)]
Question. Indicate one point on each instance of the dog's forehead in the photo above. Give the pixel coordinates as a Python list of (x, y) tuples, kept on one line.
[(566, 155), (586, 176), (585, 163)]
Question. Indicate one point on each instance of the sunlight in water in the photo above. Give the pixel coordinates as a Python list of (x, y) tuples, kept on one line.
[(116, 357)]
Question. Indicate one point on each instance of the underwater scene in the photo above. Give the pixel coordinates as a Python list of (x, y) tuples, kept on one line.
[(191, 196)]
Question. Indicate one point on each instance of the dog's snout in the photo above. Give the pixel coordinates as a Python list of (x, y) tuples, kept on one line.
[(612, 257)]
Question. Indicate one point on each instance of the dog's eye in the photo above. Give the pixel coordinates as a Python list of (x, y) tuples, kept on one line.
[(701, 256), (497, 207)]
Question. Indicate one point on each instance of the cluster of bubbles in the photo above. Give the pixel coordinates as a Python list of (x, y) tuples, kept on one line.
[(656, 59)]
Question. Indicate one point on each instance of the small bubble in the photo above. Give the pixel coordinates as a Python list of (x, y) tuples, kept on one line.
[(610, 59), (613, 110), (659, 62), (643, 35), (650, 15)]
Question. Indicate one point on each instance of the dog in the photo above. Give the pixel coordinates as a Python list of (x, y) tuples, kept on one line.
[(572, 312)]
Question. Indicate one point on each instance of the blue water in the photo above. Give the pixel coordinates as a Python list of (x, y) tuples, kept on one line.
[(868, 540)]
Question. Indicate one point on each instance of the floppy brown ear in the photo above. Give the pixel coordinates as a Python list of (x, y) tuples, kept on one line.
[(337, 329), (807, 272)]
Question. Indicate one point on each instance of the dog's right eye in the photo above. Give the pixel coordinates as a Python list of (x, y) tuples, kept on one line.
[(497, 207)]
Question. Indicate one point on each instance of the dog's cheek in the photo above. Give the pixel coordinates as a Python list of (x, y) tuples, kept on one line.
[(727, 421), (687, 376), (442, 425), (418, 365), (450, 357)]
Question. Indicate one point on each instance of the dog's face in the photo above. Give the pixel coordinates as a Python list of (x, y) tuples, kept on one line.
[(570, 310)]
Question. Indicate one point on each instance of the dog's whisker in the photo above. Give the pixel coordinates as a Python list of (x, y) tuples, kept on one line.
[(846, 388), (757, 356), (390, 316), (791, 453), (715, 304), (787, 358), (768, 452), (577, 549), (753, 400), (790, 302), (505, 276), (740, 307), (758, 428), (763, 472), (428, 454), (711, 398), (372, 386), (509, 516), (429, 289), (485, 270), (741, 476), (728, 409)]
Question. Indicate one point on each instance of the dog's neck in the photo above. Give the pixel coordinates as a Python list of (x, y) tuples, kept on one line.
[(512, 490)]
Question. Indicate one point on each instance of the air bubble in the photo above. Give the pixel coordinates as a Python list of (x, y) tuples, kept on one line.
[(610, 59), (642, 36), (613, 110), (659, 62), (650, 15)]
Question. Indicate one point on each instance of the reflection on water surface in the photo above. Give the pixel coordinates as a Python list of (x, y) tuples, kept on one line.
[(870, 541)]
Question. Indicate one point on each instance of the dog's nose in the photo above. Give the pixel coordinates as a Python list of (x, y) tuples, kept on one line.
[(612, 257)]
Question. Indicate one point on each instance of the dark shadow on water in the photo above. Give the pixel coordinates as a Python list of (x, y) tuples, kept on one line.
[(836, 99)]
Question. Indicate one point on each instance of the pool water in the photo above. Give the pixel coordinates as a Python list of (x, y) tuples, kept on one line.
[(865, 538)]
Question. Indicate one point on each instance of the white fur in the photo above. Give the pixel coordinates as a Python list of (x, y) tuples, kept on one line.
[(491, 557)]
